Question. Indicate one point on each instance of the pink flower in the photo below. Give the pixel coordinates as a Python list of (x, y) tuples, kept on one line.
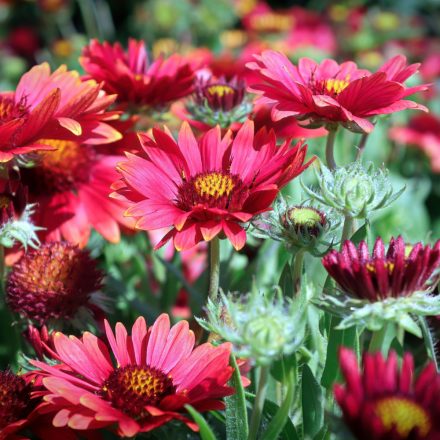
[(157, 372), (57, 105), (131, 75), (202, 188), (423, 132), (330, 93)]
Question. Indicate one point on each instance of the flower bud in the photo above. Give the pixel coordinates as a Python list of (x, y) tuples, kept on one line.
[(354, 190)]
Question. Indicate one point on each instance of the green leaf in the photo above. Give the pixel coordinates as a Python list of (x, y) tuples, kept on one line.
[(279, 420), (206, 432), (312, 401), (236, 413), (360, 234)]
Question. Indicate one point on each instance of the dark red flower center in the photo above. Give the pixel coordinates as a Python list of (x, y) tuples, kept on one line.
[(331, 86), (61, 169), (133, 387), (403, 415), (10, 110), (213, 190), (14, 398), (53, 281)]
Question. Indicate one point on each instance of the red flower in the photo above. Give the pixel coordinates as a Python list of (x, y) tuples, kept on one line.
[(157, 373), (387, 403), (399, 272), (203, 188), (71, 186), (423, 131), (55, 281), (57, 105), (332, 93), (133, 78)]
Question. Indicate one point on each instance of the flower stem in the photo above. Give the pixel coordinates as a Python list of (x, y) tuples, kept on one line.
[(347, 229), (214, 268), (297, 267), (429, 340), (361, 146), (329, 148), (260, 397), (380, 340)]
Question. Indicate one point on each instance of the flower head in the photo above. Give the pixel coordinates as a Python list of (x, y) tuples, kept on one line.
[(385, 402), (157, 372), (385, 286), (15, 403), (131, 75), (45, 104), (70, 186), (330, 93), (354, 190), (262, 326), (423, 132), (54, 281), (299, 226), (220, 102), (203, 188)]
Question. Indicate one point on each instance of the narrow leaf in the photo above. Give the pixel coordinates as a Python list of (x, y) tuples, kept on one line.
[(205, 432)]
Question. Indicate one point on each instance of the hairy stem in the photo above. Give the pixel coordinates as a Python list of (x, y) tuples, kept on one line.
[(330, 147), (260, 397), (214, 268)]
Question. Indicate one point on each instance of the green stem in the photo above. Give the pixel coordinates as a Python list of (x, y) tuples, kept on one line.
[(2, 268), (429, 340), (214, 268), (297, 267), (329, 148), (347, 229), (361, 146), (260, 397), (379, 341)]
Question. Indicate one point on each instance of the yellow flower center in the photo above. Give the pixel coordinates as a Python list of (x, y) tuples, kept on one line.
[(213, 185), (403, 415), (131, 388), (65, 153), (389, 266), (336, 86), (220, 90)]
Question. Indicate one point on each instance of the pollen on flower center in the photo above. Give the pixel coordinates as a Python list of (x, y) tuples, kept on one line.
[(336, 86), (219, 90), (133, 387), (214, 185), (61, 169), (14, 398), (403, 415), (389, 266)]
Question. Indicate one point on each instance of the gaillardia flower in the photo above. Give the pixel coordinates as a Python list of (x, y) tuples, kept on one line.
[(387, 286), (202, 188), (385, 402), (157, 372), (131, 75), (15, 403), (400, 271), (330, 93), (219, 101), (54, 104), (71, 185), (55, 281), (423, 132), (304, 227)]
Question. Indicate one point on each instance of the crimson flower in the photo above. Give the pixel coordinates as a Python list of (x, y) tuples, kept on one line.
[(157, 372), (329, 92), (56, 105), (71, 185), (203, 188), (423, 132), (131, 75), (400, 271), (385, 402)]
